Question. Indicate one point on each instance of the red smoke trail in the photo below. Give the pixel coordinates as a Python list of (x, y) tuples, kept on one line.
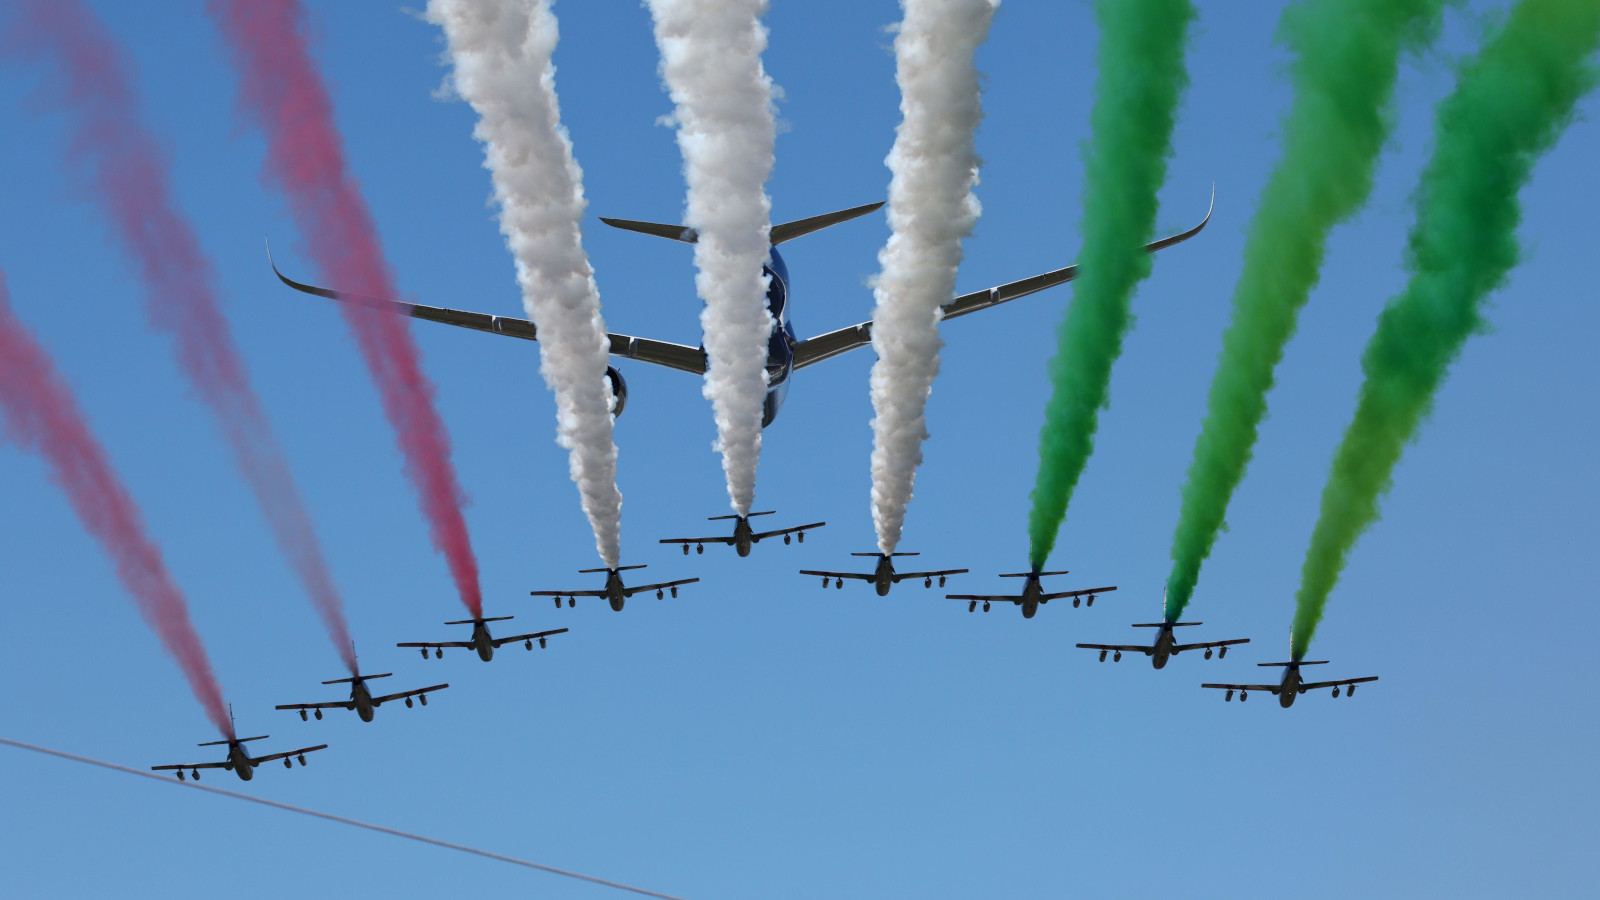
[(283, 93), (130, 175), (42, 415)]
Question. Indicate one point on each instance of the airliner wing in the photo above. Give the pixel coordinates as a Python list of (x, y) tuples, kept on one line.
[(720, 539), (661, 353), (939, 574), (536, 636), (438, 644), (856, 575), (1270, 688), (566, 593), (1120, 648), (826, 346), (987, 598), (1322, 684), (258, 760), (777, 531), (1089, 592), (629, 592), (337, 704), (205, 765), (1207, 645), (404, 694)]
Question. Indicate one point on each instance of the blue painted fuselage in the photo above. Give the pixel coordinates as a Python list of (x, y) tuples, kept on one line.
[(780, 352)]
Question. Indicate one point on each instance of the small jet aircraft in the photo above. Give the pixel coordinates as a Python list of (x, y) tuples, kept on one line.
[(743, 537), (1165, 645), (241, 763), (615, 590), (1292, 685), (1032, 596), (787, 353), (361, 699), (482, 641), (884, 576)]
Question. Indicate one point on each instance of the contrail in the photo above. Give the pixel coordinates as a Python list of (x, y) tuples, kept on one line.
[(1347, 55), (42, 415), (1141, 81), (112, 147), (501, 50), (1510, 105), (711, 63), (931, 210), (281, 90), (565, 873)]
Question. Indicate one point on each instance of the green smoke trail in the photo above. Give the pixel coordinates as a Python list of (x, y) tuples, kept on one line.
[(1510, 104), (1141, 80), (1347, 54)]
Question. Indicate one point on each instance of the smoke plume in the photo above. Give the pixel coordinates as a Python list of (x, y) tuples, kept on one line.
[(931, 209), (112, 148), (1510, 104), (1141, 81), (711, 63), (1347, 54), (282, 92), (501, 50), (42, 415)]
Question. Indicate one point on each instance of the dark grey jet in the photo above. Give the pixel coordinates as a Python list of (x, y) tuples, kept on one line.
[(482, 641), (361, 699), (1033, 594), (883, 576), (1292, 685), (744, 537), (239, 762), (1164, 646), (614, 591)]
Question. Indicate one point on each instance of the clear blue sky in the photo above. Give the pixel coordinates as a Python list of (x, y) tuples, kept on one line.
[(758, 737)]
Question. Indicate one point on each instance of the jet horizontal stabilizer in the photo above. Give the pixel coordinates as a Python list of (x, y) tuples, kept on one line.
[(1036, 574), (259, 737), (1163, 624), (880, 554), (1303, 662), (362, 677), (479, 621), (619, 569), (750, 516)]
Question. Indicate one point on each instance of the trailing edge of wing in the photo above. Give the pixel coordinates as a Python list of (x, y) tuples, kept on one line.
[(662, 353), (826, 346)]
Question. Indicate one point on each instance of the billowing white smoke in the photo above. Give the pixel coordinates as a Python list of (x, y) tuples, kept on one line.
[(931, 208), (711, 63), (501, 50)]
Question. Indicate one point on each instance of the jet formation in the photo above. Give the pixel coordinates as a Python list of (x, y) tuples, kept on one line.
[(786, 354)]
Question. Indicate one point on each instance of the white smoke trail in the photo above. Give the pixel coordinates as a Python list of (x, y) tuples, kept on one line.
[(501, 50), (931, 209), (711, 63)]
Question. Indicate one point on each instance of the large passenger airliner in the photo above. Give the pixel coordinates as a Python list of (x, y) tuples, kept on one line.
[(786, 353)]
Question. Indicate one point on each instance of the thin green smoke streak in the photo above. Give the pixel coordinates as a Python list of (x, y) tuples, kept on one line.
[(1509, 106), (1347, 56), (1141, 80)]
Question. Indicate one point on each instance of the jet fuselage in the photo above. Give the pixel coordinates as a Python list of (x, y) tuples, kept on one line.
[(743, 536), (780, 346), (239, 761), (482, 641), (362, 698)]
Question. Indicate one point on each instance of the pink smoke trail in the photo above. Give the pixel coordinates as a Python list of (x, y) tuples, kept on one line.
[(281, 90), (114, 149), (42, 415)]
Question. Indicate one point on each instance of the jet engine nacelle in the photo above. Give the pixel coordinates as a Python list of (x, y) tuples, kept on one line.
[(619, 391)]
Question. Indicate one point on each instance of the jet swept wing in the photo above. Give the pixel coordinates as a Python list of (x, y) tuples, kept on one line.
[(826, 346)]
